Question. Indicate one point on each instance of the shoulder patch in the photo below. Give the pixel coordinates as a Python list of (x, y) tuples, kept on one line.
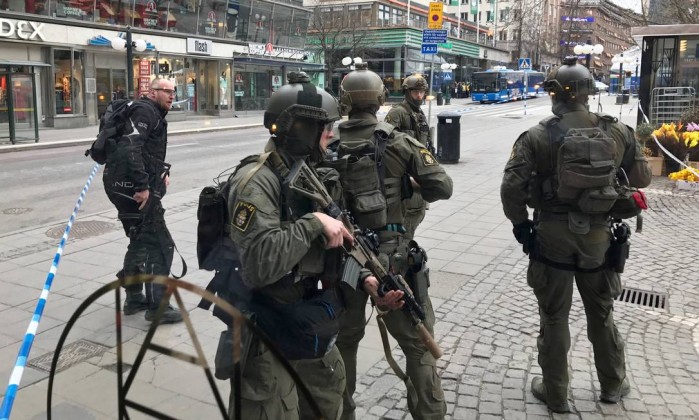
[(242, 215), (427, 158)]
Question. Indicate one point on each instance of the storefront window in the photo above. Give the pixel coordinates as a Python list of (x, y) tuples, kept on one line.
[(225, 87), (689, 63), (299, 28), (260, 28), (68, 81), (73, 9)]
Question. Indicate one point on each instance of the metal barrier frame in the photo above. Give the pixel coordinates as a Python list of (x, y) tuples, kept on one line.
[(668, 103), (239, 321)]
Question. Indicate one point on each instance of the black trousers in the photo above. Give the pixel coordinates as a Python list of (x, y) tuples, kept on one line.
[(151, 248)]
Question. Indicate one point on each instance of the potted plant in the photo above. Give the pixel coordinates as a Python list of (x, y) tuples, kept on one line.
[(651, 151)]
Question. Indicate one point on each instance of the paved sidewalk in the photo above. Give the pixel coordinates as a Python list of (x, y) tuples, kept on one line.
[(486, 314)]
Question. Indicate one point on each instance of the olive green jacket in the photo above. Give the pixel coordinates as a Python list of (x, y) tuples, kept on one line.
[(530, 162), (270, 245), (403, 155), (407, 120)]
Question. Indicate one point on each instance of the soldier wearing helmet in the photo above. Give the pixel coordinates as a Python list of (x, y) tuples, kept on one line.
[(284, 249), (568, 237), (408, 118), (379, 160)]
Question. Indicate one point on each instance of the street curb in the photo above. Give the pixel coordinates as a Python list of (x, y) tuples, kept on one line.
[(78, 142)]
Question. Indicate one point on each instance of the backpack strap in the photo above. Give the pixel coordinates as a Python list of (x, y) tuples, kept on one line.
[(382, 132), (260, 161)]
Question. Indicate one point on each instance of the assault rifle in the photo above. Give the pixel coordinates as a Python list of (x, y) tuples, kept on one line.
[(363, 252)]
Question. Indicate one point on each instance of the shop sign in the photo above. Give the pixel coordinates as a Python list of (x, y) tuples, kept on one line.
[(144, 77), (21, 29), (199, 46), (276, 52)]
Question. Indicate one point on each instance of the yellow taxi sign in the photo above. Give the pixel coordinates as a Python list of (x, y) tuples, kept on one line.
[(434, 20)]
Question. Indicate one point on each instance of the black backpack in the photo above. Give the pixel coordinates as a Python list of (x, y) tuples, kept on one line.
[(213, 243), (111, 128)]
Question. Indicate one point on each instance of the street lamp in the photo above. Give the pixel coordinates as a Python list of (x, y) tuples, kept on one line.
[(447, 68), (120, 44), (349, 61), (588, 49)]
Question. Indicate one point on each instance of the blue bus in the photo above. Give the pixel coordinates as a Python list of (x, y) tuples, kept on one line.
[(500, 85)]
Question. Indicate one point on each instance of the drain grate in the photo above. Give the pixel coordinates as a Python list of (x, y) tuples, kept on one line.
[(71, 354), (16, 210), (82, 230), (643, 298)]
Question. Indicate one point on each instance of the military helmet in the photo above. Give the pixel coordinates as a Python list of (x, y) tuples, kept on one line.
[(415, 82), (362, 87), (569, 81), (297, 113)]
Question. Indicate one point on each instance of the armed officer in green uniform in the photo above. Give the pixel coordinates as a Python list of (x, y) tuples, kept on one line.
[(408, 118), (554, 168), (289, 254), (383, 166)]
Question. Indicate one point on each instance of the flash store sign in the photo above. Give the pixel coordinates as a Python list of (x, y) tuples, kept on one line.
[(21, 29), (199, 46)]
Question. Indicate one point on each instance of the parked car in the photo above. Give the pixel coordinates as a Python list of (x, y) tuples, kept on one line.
[(600, 86)]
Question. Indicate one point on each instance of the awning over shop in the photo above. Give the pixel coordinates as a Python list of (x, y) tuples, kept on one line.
[(279, 62), (22, 63)]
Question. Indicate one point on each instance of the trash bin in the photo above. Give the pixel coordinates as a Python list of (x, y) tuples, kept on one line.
[(440, 98), (448, 137), (623, 98)]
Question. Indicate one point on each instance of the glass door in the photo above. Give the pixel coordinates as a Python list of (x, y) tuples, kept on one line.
[(4, 107), (24, 108), (18, 117)]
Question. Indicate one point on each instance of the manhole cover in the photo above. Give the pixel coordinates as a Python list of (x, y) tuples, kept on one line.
[(71, 354), (81, 230), (16, 210), (643, 298)]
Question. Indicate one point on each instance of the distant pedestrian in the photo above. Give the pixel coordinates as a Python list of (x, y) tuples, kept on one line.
[(136, 178), (570, 237)]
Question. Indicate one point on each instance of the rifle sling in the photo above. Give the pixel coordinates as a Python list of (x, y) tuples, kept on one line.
[(412, 394)]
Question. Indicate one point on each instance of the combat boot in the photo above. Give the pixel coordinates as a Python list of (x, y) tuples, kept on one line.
[(169, 316), (135, 302), (539, 391), (613, 397)]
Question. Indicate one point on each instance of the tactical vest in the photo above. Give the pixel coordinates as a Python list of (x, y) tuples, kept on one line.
[(368, 192), (303, 328), (418, 124), (581, 173)]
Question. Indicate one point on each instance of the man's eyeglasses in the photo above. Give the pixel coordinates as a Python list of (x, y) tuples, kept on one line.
[(168, 91)]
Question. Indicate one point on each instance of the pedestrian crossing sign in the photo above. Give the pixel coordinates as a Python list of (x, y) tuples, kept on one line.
[(525, 63)]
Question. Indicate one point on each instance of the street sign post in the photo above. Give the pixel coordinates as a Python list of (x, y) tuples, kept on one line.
[(525, 63), (434, 20), (429, 48), (434, 36)]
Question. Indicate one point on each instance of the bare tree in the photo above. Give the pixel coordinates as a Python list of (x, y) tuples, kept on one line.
[(673, 12), (337, 31)]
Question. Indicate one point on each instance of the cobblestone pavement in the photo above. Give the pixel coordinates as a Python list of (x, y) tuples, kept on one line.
[(488, 330)]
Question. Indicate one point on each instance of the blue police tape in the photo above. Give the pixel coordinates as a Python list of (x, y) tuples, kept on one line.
[(23, 355)]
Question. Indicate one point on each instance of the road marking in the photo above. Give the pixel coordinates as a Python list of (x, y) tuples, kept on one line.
[(172, 146)]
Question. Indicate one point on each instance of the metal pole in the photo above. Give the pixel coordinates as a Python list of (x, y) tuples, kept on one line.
[(129, 64), (621, 84), (429, 106), (526, 91)]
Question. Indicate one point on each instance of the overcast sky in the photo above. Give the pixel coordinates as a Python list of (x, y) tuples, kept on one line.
[(634, 5)]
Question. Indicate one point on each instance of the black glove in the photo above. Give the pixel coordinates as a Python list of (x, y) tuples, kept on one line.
[(522, 231)]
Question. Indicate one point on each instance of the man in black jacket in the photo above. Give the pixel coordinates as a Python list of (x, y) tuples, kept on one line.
[(135, 179)]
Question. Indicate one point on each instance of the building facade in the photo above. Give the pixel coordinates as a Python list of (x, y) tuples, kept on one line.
[(388, 34), (58, 67)]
